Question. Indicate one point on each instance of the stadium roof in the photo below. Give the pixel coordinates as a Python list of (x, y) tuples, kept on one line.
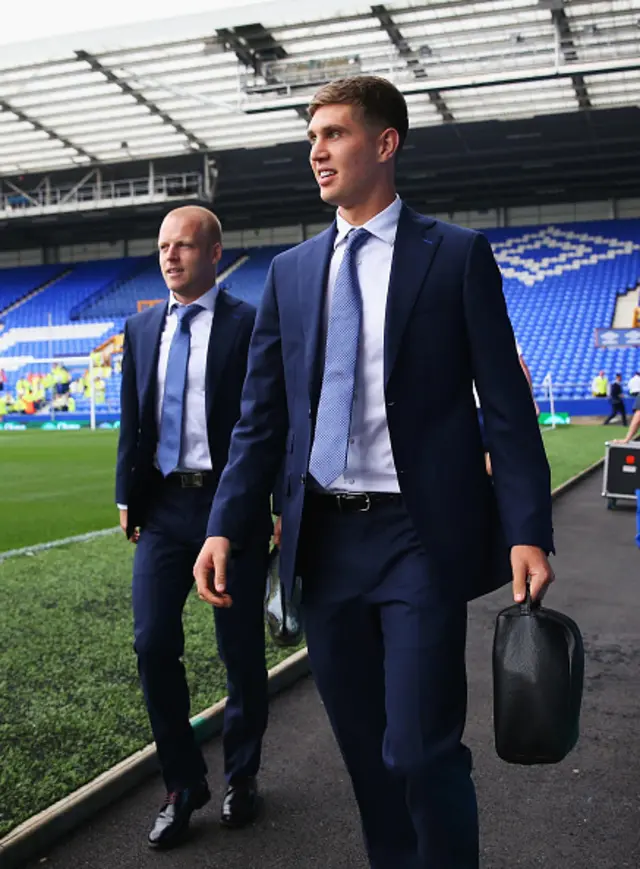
[(241, 77)]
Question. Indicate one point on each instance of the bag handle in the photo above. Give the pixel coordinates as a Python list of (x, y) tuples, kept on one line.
[(528, 606)]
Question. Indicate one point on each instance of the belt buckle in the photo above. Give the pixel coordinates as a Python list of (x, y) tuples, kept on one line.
[(192, 481), (354, 497)]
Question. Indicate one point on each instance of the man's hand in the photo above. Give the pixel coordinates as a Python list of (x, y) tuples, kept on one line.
[(210, 572), (277, 531), (124, 519), (530, 561)]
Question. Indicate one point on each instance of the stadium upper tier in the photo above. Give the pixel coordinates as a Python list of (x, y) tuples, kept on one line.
[(560, 282), (18, 282)]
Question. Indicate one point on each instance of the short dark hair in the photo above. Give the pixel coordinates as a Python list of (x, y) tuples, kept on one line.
[(381, 102)]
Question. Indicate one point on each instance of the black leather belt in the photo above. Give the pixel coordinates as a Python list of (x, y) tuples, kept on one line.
[(353, 502), (189, 479)]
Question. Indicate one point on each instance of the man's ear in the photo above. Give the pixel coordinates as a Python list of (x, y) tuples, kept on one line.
[(388, 144)]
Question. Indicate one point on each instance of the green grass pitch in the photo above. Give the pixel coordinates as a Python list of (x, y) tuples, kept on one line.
[(55, 484), (70, 704)]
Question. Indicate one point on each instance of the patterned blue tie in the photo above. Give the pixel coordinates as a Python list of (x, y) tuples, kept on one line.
[(170, 440), (331, 441)]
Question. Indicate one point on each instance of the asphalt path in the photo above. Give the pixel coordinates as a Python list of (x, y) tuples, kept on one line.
[(581, 813)]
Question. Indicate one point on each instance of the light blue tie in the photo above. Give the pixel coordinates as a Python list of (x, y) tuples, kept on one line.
[(171, 420), (333, 423)]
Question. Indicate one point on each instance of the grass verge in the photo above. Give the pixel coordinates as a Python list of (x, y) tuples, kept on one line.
[(70, 703), (571, 449)]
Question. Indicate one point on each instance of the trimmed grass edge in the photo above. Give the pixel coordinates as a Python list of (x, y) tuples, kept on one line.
[(31, 838), (36, 834)]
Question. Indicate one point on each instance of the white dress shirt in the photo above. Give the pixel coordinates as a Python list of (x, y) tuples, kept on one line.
[(370, 464), (633, 386), (195, 454)]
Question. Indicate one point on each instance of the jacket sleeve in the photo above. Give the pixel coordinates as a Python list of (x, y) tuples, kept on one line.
[(521, 473), (258, 441), (129, 423)]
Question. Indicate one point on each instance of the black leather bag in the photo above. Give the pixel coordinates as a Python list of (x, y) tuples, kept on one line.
[(538, 674), (283, 616)]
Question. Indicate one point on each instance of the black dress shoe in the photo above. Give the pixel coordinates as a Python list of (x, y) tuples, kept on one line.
[(173, 820), (240, 805)]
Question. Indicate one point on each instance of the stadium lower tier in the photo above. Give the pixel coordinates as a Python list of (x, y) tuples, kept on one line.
[(561, 283)]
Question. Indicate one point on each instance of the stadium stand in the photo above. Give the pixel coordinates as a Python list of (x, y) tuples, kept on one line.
[(17, 283), (561, 282), (247, 282)]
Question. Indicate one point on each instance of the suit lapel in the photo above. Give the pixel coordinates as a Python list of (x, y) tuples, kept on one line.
[(221, 340), (313, 270), (152, 334), (415, 247)]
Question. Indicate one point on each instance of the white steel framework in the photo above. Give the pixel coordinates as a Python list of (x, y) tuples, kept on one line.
[(247, 85)]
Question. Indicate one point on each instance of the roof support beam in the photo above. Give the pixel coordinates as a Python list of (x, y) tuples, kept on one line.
[(461, 83), (252, 60), (43, 128), (126, 88), (414, 63), (567, 46)]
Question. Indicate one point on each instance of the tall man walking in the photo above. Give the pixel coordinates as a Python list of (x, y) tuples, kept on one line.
[(183, 369), (366, 345)]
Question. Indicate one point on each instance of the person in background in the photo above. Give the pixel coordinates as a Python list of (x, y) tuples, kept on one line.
[(100, 390), (184, 365), (387, 513), (600, 385), (633, 387), (634, 425), (3, 380), (616, 398)]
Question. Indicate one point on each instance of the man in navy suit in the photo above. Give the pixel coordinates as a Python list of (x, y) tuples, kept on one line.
[(183, 369), (361, 365)]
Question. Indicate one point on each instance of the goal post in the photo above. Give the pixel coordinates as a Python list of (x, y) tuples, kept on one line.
[(53, 388), (547, 385)]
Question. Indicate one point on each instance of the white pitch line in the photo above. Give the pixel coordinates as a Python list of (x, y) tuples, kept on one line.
[(41, 547)]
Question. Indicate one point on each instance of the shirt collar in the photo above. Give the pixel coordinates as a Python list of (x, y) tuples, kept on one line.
[(208, 301), (383, 225)]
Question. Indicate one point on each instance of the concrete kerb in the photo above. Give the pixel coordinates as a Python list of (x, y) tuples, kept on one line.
[(38, 833), (33, 837)]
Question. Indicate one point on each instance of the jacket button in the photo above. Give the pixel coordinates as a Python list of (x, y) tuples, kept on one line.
[(390, 403), (303, 479)]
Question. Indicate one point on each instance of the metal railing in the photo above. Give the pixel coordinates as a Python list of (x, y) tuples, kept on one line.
[(94, 192)]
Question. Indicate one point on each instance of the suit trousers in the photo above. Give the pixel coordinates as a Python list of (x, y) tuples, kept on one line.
[(162, 578), (386, 642)]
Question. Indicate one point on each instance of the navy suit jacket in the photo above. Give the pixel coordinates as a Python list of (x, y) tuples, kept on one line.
[(233, 322), (446, 326)]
